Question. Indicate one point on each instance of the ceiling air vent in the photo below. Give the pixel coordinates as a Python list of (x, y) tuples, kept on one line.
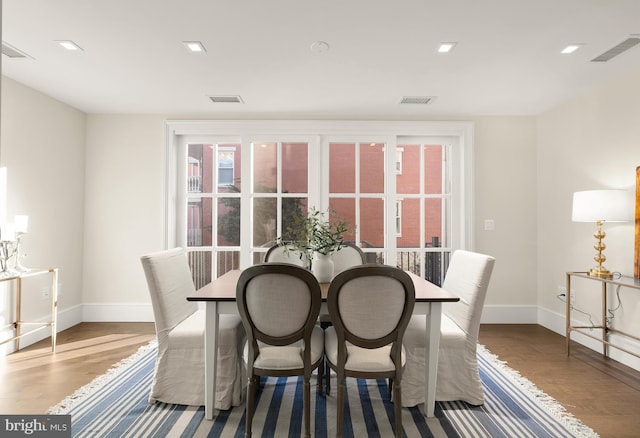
[(12, 52), (617, 50), (418, 100), (226, 99)]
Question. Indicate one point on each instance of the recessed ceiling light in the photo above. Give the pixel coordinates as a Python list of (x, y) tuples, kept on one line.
[(446, 47), (571, 48), (69, 45), (194, 46)]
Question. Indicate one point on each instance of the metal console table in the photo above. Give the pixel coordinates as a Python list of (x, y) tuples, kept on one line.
[(624, 281), (18, 323)]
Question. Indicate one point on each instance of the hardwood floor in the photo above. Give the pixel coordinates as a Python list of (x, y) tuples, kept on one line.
[(33, 379), (601, 392)]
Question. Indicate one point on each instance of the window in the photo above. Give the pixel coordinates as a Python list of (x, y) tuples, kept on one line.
[(399, 218), (225, 165), (399, 151), (232, 187)]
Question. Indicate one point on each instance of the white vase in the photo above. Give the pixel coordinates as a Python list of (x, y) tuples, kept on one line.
[(322, 267)]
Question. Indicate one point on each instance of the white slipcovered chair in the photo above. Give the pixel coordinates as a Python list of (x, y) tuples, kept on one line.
[(346, 257), (179, 370), (285, 254), (467, 277)]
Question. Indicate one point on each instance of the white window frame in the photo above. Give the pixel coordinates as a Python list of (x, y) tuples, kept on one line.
[(245, 131)]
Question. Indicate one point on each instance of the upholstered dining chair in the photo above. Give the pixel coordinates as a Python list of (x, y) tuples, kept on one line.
[(370, 307), (346, 257), (468, 277), (179, 371), (279, 304), (285, 254)]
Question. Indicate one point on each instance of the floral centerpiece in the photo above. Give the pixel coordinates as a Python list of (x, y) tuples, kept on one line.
[(316, 235)]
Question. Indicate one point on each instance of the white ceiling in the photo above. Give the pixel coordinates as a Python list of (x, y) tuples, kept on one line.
[(507, 60)]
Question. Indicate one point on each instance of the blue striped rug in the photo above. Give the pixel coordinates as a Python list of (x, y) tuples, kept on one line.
[(115, 405)]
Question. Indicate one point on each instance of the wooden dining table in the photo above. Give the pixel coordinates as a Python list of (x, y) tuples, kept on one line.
[(219, 297)]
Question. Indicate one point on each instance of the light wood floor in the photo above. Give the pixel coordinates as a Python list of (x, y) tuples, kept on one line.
[(602, 393)]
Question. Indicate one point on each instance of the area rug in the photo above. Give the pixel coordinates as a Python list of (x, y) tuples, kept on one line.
[(116, 405)]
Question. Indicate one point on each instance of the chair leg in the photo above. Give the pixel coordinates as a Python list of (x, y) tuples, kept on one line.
[(307, 406), (340, 405), (251, 391), (397, 401), (327, 374), (320, 372)]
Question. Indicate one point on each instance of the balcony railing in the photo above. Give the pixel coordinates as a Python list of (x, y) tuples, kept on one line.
[(194, 184)]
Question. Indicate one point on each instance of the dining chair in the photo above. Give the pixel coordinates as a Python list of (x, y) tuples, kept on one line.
[(179, 370), (285, 254), (346, 257), (370, 307), (279, 304), (467, 277)]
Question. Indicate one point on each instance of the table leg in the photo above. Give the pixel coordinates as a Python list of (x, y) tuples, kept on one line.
[(54, 308), (431, 349), (210, 358), (18, 311), (567, 297)]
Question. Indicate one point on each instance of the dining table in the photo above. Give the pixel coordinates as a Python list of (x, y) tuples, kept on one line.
[(219, 297)]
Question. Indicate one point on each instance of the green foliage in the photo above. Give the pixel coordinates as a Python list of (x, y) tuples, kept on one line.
[(315, 232)]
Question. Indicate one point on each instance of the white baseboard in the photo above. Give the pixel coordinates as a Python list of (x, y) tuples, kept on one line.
[(498, 314), (117, 312)]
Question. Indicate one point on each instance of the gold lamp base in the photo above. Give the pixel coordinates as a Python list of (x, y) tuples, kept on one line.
[(600, 272)]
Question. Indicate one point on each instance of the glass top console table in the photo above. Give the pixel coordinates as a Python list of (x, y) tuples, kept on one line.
[(18, 323), (624, 281)]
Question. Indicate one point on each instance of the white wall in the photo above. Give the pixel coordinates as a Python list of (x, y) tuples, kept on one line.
[(588, 143), (123, 213), (43, 143)]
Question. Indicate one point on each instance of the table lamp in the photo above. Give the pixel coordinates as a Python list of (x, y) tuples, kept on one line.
[(601, 206)]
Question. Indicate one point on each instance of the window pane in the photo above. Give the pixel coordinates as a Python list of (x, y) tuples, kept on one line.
[(409, 180), (226, 261), (229, 165), (433, 169), (294, 167), (345, 209), (433, 267), (292, 208), (433, 222), (265, 166), (410, 237), (371, 168), (200, 264), (194, 168), (409, 261), (199, 222), (372, 223), (264, 221), (229, 222), (342, 170)]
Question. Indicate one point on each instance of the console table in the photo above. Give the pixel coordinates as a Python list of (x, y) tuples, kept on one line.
[(623, 281), (18, 323)]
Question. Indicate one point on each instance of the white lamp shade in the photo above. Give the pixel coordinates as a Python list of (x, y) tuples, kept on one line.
[(602, 205)]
